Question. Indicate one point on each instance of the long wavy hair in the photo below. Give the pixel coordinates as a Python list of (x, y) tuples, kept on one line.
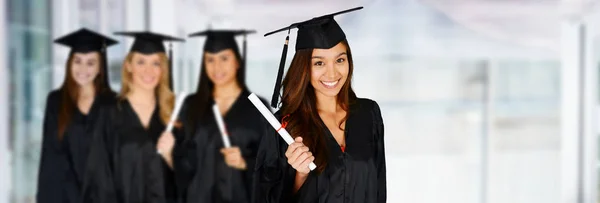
[(299, 102), (164, 95), (205, 88), (69, 93)]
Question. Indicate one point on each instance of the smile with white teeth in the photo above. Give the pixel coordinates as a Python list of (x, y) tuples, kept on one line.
[(330, 84)]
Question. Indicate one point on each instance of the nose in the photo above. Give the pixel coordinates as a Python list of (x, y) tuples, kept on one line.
[(330, 71)]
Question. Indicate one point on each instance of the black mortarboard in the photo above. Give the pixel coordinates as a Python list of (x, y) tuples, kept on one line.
[(320, 33), (219, 40), (150, 43), (84, 41)]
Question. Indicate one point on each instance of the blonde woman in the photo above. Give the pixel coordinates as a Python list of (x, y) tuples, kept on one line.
[(127, 167)]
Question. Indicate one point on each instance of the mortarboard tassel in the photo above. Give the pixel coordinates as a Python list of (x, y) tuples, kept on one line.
[(275, 98), (171, 66), (104, 62), (244, 48)]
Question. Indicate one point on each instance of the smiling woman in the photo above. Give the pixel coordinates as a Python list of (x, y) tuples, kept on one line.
[(71, 114), (128, 136), (341, 133)]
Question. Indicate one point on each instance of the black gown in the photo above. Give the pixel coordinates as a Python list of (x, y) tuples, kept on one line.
[(202, 174), (126, 167), (62, 163), (357, 175)]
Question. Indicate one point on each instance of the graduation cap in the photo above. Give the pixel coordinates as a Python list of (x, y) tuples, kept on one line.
[(219, 40), (85, 41), (317, 33), (150, 43)]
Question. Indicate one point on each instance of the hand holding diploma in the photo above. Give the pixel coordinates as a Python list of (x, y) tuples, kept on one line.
[(283, 133), (166, 141)]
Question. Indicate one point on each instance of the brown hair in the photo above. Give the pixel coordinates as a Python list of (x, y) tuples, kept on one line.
[(205, 88), (69, 92), (299, 102), (166, 98)]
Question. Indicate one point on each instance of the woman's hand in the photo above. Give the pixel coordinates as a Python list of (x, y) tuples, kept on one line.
[(233, 158), (164, 146), (299, 157)]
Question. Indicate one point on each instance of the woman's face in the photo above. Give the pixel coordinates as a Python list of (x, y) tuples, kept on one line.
[(85, 68), (145, 70), (329, 70), (221, 67)]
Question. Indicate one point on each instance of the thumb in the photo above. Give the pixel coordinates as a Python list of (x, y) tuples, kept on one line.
[(298, 139)]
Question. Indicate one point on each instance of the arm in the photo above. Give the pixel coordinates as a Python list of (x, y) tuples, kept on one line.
[(52, 161), (273, 177), (153, 176), (99, 183), (184, 157), (380, 154)]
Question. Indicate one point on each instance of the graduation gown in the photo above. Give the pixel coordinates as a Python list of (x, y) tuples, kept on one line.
[(62, 163), (357, 175), (126, 167), (202, 174)]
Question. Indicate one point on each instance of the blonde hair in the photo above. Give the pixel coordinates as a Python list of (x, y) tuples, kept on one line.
[(166, 98)]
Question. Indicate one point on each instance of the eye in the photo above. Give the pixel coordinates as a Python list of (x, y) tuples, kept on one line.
[(140, 62), (319, 63), (224, 58), (156, 63), (341, 60), (209, 60)]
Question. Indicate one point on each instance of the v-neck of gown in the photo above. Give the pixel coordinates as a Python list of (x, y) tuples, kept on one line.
[(330, 134), (139, 120)]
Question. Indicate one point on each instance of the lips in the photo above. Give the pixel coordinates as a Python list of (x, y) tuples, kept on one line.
[(330, 84), (148, 79), (219, 76)]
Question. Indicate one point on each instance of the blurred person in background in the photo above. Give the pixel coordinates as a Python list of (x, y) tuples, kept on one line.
[(340, 133), (206, 170), (71, 114), (126, 166)]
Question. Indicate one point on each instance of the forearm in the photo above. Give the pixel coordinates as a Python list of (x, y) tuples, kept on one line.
[(299, 181)]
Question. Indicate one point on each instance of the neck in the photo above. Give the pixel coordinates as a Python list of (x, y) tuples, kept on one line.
[(139, 95), (327, 104), (87, 91), (226, 90)]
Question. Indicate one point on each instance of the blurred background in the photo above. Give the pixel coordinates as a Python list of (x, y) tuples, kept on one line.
[(484, 101)]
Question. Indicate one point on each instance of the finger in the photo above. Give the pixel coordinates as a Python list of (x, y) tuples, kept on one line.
[(291, 148), (300, 158), (305, 163), (298, 152)]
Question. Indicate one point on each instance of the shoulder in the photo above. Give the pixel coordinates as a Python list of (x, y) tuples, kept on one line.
[(366, 104), (107, 98), (54, 96)]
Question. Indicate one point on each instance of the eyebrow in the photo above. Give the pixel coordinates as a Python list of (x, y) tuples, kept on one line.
[(320, 57)]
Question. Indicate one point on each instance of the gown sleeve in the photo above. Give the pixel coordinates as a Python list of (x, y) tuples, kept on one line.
[(380, 153), (153, 183), (99, 184), (273, 177), (184, 152), (52, 161)]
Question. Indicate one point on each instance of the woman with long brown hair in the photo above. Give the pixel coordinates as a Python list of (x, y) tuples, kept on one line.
[(71, 113), (126, 166), (206, 169), (340, 133)]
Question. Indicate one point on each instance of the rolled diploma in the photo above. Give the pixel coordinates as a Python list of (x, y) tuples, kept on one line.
[(221, 125), (276, 125), (178, 104)]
